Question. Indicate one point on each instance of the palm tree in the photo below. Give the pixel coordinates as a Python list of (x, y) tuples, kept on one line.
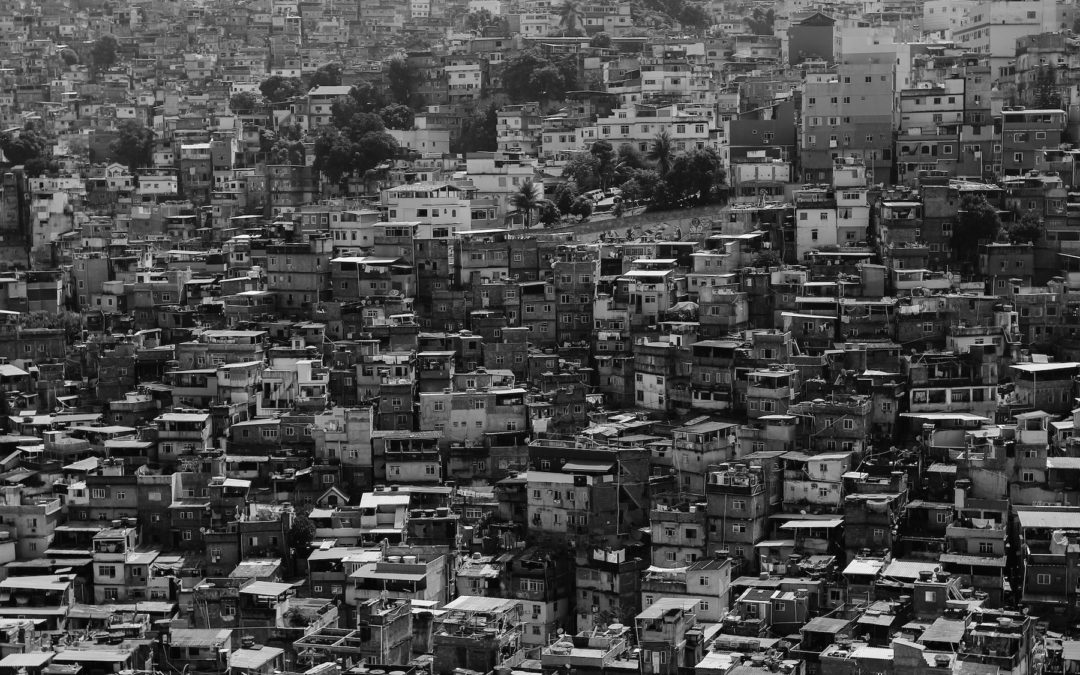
[(569, 15), (528, 198), (662, 151)]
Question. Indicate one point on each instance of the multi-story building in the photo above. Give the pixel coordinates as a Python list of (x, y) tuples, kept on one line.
[(849, 113), (931, 122)]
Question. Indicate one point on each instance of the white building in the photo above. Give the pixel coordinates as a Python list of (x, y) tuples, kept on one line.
[(638, 126), (945, 16), (833, 215), (426, 141), (993, 26), (441, 203)]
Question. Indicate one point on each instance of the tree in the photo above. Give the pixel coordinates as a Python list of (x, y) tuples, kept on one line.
[(662, 153), (244, 102), (277, 88), (527, 199), (368, 97), (569, 16), (479, 134), (569, 66), (477, 21), (517, 75), (698, 176), (630, 157), (39, 166), (548, 83), (342, 110), (372, 149), (301, 534), (23, 147), (605, 162), (328, 75), (761, 23), (549, 214), (664, 197), (285, 151), (977, 221), (361, 124), (353, 147), (134, 144), (584, 170), (627, 160), (565, 194), (601, 41), (695, 16), (401, 80), (641, 186), (69, 56), (333, 155), (582, 207), (103, 52), (1028, 229), (397, 116)]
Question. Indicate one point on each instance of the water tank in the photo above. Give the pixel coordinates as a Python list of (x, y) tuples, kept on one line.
[(393, 559)]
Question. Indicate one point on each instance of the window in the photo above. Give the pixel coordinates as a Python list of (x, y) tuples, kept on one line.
[(1042, 579), (97, 493), (531, 585), (703, 581), (986, 548), (704, 606), (738, 528)]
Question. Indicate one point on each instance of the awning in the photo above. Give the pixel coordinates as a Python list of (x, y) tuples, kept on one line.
[(587, 467), (812, 524)]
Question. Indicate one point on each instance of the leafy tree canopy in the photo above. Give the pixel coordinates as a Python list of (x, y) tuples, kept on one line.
[(277, 88), (134, 144)]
